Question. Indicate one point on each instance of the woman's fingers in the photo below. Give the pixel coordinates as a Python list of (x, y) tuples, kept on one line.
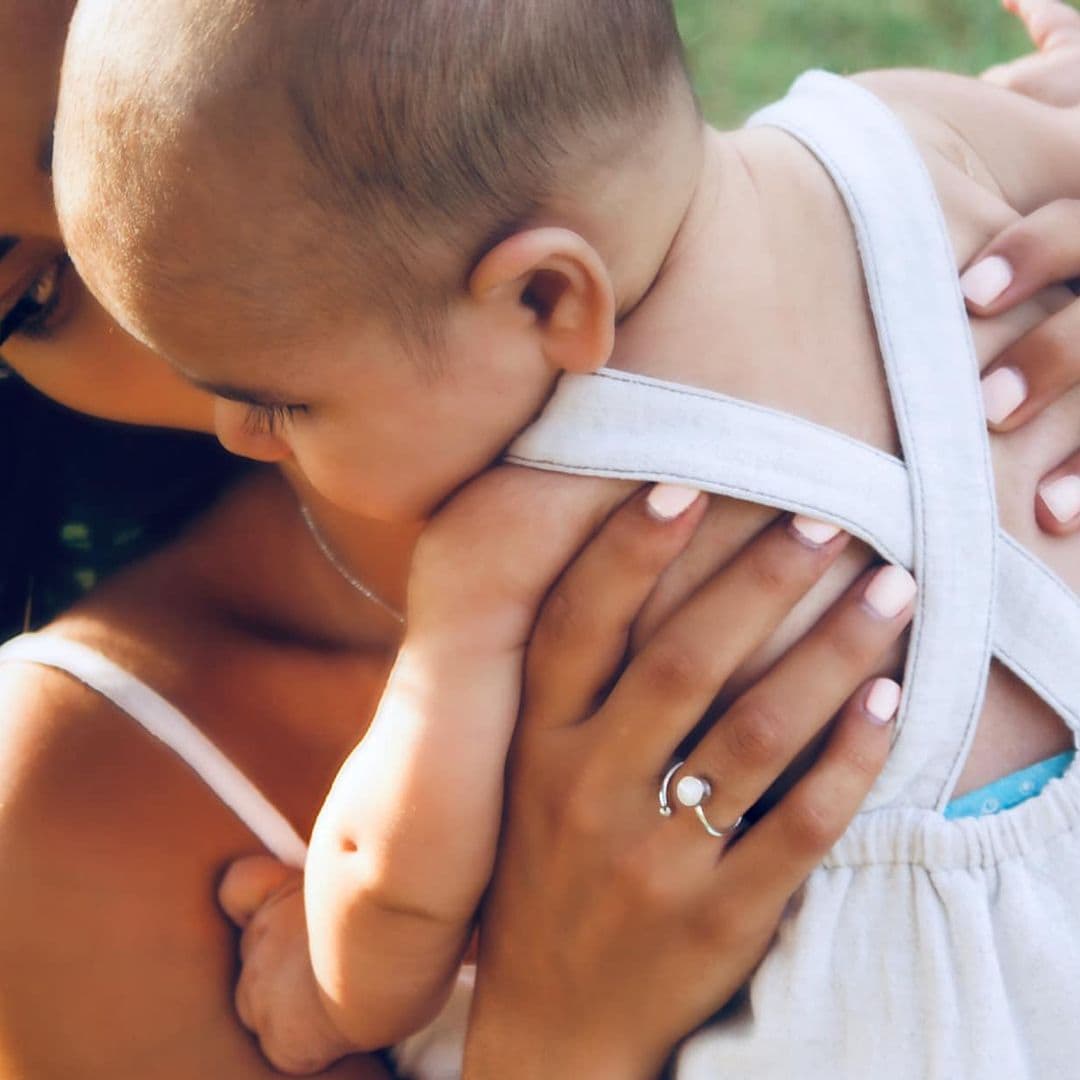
[(774, 857), (1057, 504), (1043, 249), (672, 682), (581, 634), (1034, 371), (762, 733), (1038, 250)]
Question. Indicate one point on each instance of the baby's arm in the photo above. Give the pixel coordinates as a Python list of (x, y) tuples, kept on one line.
[(364, 949), (403, 847), (400, 855)]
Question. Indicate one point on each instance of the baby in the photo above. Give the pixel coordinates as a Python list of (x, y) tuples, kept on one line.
[(390, 236)]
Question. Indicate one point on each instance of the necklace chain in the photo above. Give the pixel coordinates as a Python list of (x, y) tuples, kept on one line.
[(333, 559)]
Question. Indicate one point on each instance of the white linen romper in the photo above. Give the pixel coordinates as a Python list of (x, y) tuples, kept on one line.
[(923, 949)]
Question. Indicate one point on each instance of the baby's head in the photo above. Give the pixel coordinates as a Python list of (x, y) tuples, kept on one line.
[(378, 229)]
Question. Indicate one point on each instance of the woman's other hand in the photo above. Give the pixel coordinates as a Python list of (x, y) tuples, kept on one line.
[(1040, 250), (1052, 73), (612, 930)]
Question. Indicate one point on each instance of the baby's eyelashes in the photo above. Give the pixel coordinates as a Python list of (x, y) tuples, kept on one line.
[(270, 419)]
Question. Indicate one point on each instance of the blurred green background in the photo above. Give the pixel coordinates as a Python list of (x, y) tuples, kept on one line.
[(80, 498), (746, 52)]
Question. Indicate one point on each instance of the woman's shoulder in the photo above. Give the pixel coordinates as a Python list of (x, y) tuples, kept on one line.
[(116, 961)]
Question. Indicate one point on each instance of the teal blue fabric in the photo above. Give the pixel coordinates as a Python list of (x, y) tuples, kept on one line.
[(1010, 790)]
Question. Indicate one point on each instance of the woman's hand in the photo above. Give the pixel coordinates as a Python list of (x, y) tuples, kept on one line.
[(610, 930), (1043, 249), (1052, 73)]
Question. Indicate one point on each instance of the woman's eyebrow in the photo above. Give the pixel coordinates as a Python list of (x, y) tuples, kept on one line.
[(6, 244)]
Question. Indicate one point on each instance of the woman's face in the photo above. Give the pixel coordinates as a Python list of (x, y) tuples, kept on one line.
[(60, 340)]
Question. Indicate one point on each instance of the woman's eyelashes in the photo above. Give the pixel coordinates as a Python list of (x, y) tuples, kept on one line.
[(270, 419), (34, 313)]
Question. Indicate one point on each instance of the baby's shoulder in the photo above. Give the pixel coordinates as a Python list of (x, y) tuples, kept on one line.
[(1018, 149)]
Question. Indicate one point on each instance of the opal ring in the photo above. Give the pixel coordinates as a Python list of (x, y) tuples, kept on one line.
[(693, 792)]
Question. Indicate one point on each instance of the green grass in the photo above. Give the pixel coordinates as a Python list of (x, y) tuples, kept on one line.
[(746, 52)]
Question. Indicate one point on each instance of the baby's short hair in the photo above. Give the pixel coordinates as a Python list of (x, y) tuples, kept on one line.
[(416, 120)]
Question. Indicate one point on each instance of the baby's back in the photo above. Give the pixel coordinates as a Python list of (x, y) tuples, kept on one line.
[(790, 310), (912, 916)]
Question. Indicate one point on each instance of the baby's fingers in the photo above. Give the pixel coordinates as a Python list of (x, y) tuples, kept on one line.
[(1057, 505), (581, 634), (1048, 22), (1050, 75), (248, 883)]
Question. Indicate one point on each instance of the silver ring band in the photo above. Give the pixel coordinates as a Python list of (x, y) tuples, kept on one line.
[(692, 792)]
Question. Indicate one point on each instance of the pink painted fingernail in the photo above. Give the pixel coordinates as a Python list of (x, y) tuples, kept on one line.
[(890, 591), (1062, 498), (1003, 392), (883, 700), (666, 502), (814, 532), (984, 282)]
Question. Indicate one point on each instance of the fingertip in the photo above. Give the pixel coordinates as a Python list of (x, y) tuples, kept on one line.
[(1057, 505), (813, 532), (881, 701), (1004, 391), (986, 281), (890, 593), (668, 502)]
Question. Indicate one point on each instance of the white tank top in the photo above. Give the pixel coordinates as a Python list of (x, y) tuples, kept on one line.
[(923, 949)]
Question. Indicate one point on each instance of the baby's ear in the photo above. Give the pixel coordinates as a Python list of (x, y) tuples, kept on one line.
[(560, 277)]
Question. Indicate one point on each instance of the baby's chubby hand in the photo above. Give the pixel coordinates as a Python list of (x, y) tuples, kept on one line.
[(277, 997), (486, 560)]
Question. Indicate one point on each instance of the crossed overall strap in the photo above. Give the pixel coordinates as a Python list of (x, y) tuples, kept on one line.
[(981, 594)]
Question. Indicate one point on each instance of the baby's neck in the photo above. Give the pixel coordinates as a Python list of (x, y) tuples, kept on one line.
[(721, 252), (759, 293)]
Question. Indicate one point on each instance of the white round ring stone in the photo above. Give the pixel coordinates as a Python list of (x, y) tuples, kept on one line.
[(691, 791)]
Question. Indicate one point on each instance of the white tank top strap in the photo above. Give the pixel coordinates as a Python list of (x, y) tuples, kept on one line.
[(594, 424), (167, 724), (934, 511)]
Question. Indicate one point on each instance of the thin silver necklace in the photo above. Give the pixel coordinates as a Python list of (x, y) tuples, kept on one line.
[(332, 558)]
